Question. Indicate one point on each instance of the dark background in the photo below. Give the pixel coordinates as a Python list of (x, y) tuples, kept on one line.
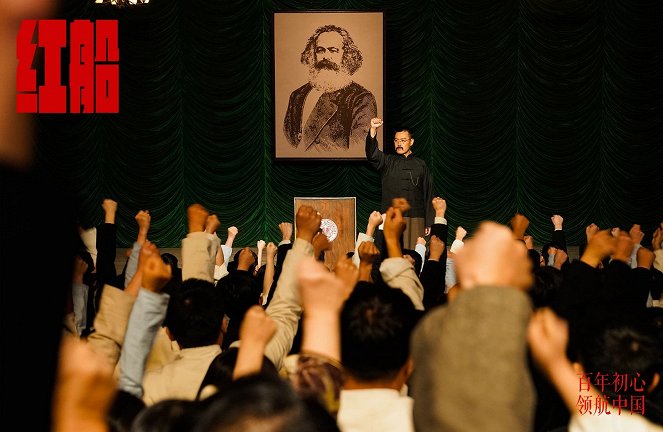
[(534, 106)]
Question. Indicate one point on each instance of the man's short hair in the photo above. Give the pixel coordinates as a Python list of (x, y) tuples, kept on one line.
[(376, 323), (404, 129), (547, 283), (352, 58), (418, 261), (264, 402), (232, 265), (630, 349), (195, 314)]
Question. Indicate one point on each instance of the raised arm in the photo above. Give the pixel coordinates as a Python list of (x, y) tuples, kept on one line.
[(440, 227), (492, 270), (374, 221), (519, 224), (636, 235), (227, 247), (432, 276), (396, 271), (254, 334), (261, 247), (284, 246), (319, 372), (146, 319), (657, 247), (558, 236), (106, 244), (143, 219), (285, 308), (197, 259), (547, 336), (84, 391), (373, 153), (321, 244), (111, 321), (79, 294), (270, 268), (368, 254)]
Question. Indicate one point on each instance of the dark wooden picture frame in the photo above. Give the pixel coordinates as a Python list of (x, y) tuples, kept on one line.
[(328, 82)]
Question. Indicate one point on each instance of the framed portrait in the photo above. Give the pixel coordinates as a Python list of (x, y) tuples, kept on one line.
[(328, 82)]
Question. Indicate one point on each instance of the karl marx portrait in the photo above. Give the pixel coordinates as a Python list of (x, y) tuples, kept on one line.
[(330, 112)]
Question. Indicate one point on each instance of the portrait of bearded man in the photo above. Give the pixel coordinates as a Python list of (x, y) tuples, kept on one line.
[(331, 112)]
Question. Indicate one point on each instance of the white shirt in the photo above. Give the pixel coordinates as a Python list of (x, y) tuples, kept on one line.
[(373, 410), (625, 422)]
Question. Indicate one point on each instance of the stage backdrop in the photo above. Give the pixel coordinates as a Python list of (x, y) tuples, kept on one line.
[(535, 106)]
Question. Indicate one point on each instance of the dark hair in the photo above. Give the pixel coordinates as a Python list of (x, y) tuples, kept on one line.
[(123, 411), (404, 129), (85, 256), (352, 58), (263, 400), (89, 278), (240, 291), (220, 371), (232, 265), (535, 258), (547, 282), (170, 259), (195, 314), (418, 261), (176, 273), (629, 348), (376, 323), (169, 415)]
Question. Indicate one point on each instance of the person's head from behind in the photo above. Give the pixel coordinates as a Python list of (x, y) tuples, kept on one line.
[(244, 259), (173, 262), (535, 258), (169, 415), (547, 282), (123, 412), (240, 291), (195, 314), (414, 258), (629, 350), (403, 141), (376, 323), (263, 403)]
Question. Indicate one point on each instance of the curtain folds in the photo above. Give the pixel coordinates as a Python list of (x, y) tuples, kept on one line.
[(535, 106)]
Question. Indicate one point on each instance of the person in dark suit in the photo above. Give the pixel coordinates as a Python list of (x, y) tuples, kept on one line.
[(330, 112)]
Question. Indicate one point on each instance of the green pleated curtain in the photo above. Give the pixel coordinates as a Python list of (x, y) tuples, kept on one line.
[(531, 106)]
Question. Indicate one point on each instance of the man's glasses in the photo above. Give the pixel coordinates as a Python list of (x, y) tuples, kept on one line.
[(401, 141)]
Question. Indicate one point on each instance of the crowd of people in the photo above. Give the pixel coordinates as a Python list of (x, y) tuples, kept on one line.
[(490, 334)]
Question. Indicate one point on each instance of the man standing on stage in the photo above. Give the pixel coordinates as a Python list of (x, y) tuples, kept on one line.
[(403, 175)]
